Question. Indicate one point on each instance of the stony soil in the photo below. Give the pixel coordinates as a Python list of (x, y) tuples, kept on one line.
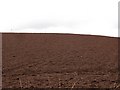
[(59, 61)]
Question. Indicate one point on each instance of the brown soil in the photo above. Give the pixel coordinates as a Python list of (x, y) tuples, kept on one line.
[(59, 61)]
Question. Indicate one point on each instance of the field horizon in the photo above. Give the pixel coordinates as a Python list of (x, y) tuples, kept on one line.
[(59, 60)]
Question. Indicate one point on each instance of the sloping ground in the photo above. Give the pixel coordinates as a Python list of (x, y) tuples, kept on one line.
[(59, 61)]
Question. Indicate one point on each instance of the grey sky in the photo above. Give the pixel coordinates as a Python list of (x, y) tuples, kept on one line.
[(98, 17)]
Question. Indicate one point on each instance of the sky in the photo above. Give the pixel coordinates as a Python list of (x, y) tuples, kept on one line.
[(95, 17)]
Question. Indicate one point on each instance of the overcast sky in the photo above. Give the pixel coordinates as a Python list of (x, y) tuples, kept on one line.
[(96, 17)]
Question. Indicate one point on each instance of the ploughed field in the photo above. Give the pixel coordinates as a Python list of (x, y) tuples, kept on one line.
[(59, 61)]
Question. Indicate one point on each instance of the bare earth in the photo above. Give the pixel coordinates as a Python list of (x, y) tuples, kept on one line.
[(59, 61)]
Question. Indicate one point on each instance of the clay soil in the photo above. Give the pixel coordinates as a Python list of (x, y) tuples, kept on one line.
[(59, 61)]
